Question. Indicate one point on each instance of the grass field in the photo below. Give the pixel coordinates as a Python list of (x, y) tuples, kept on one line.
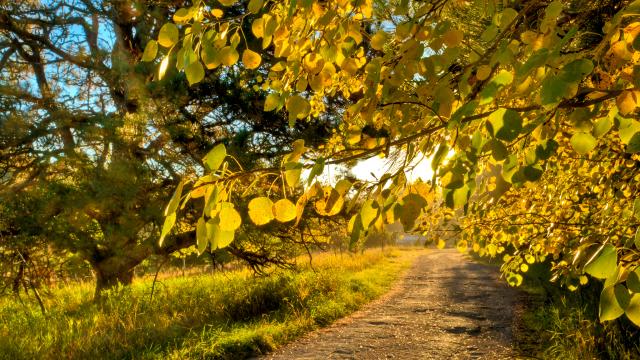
[(224, 315)]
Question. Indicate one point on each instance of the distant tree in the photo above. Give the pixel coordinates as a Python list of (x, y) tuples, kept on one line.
[(81, 123)]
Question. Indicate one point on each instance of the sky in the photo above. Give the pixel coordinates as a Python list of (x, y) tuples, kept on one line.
[(373, 168)]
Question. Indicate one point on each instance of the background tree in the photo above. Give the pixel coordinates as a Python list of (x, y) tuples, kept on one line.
[(81, 123)]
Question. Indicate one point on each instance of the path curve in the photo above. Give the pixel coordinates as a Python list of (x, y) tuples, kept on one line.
[(446, 307)]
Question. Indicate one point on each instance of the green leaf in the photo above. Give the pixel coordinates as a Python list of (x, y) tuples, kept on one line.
[(627, 129), (169, 221), (498, 150), (168, 35), (506, 17), (175, 200), (539, 58), (633, 309), (409, 210), (576, 70), (316, 170), (532, 172), (202, 239), (150, 51), (609, 308), (194, 72), (633, 280), (489, 92), (209, 56), (443, 150), (261, 210), (604, 262), (583, 142), (255, 6), (463, 112), (505, 124), (292, 173), (553, 90), (355, 229), (452, 179), (622, 295), (634, 144), (489, 33), (546, 149), (298, 108), (602, 126), (215, 157)]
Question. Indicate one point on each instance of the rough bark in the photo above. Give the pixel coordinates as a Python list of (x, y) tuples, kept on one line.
[(110, 276)]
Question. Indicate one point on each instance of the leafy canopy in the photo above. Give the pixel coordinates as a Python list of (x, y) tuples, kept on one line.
[(528, 110)]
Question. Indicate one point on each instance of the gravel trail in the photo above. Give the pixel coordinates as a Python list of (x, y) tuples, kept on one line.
[(446, 307)]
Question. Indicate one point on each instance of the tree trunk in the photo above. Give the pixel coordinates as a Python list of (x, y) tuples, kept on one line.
[(110, 273)]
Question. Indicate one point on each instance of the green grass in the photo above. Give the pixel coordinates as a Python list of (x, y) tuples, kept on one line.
[(562, 324), (225, 315)]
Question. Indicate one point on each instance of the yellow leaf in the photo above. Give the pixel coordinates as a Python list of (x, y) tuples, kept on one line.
[(217, 13), (194, 72), (201, 235), (331, 202), (284, 210), (163, 67), (626, 102), (251, 59), (150, 51), (379, 40), (168, 35), (229, 219), (271, 102), (453, 38), (257, 27), (182, 15), (169, 221), (175, 200), (210, 57), (292, 173), (261, 210), (313, 63), (298, 107), (483, 73), (228, 55), (227, 2)]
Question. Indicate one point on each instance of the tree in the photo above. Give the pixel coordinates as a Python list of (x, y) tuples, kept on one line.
[(525, 107), (81, 123)]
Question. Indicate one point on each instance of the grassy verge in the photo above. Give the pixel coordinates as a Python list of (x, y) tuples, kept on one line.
[(560, 324), (555, 323), (227, 315)]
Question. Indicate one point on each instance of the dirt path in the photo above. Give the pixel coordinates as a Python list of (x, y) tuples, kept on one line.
[(446, 307)]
